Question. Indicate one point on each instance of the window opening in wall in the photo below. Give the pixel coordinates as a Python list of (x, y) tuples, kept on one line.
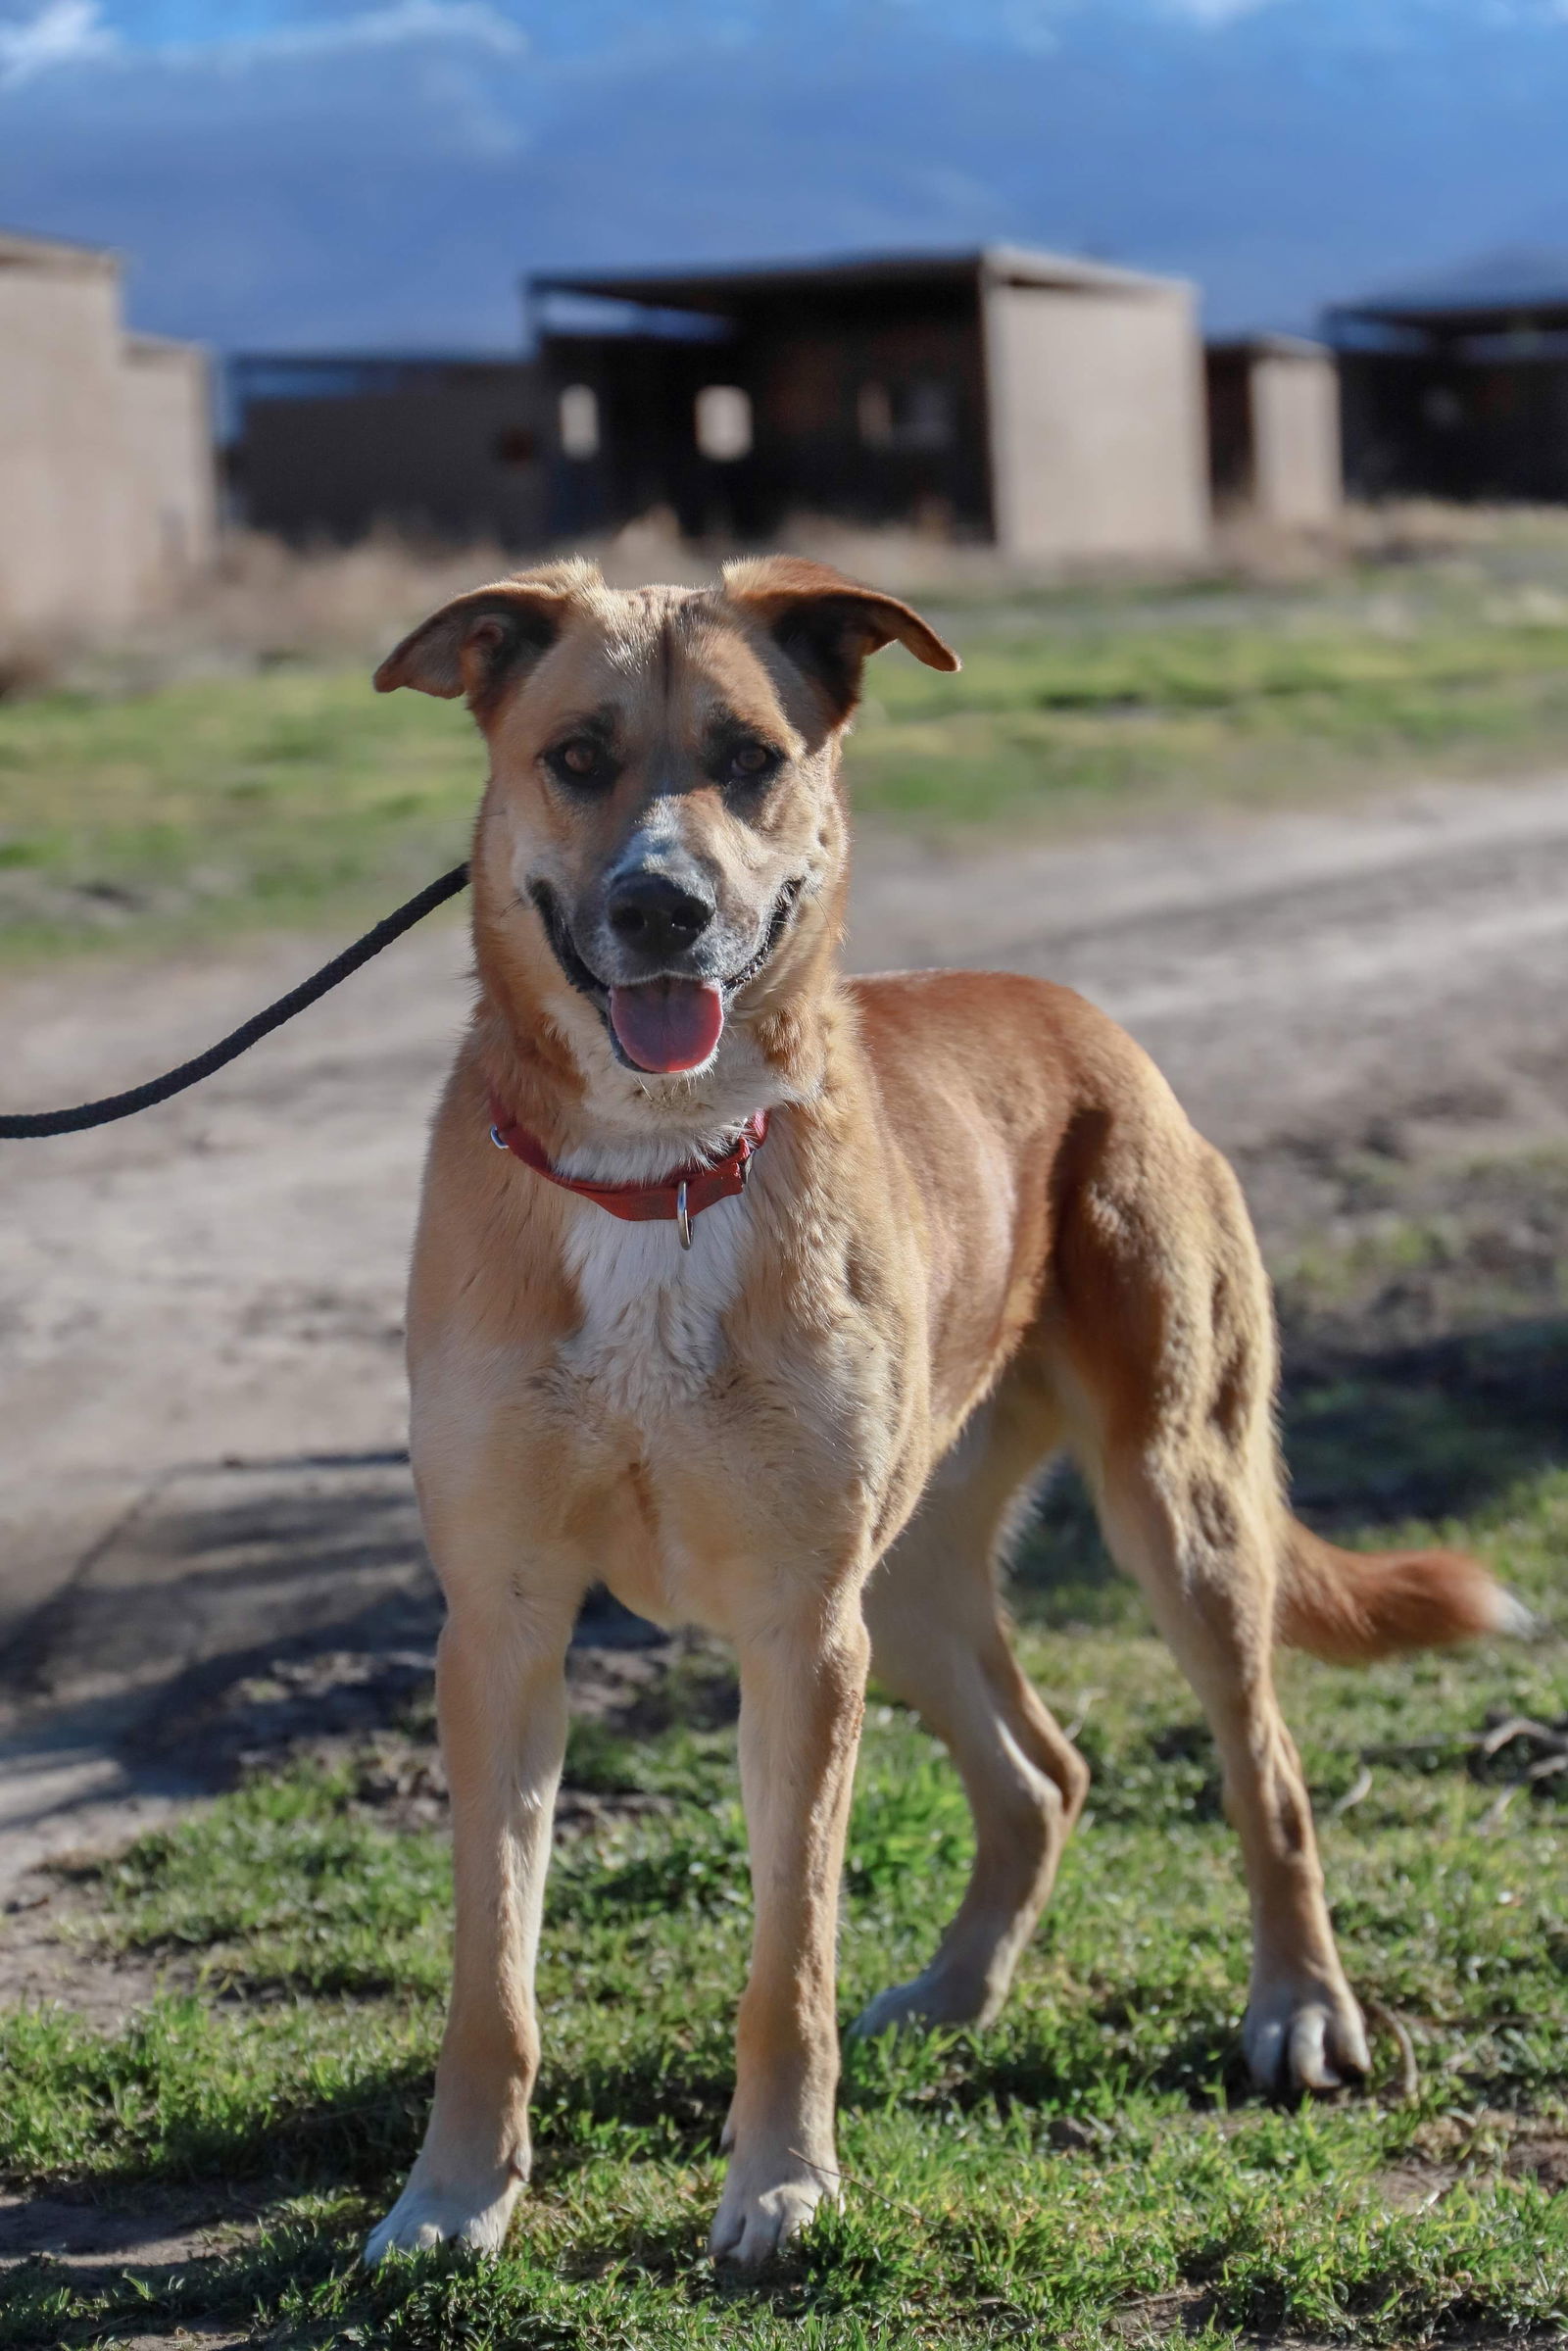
[(723, 422), (873, 410), (926, 420), (908, 415), (579, 420)]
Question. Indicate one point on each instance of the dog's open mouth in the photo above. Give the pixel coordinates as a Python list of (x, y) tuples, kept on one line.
[(667, 1024)]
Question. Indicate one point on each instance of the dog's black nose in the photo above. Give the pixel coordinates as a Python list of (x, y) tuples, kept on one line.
[(656, 916)]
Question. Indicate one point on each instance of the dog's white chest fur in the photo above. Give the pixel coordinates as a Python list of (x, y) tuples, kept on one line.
[(651, 1329)]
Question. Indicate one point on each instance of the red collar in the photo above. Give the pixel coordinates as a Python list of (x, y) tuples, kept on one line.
[(676, 1201)]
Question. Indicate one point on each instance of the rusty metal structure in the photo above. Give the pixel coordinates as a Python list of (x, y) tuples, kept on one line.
[(1457, 389)]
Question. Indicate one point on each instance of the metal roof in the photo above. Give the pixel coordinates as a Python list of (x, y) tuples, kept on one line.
[(339, 374), (371, 360), (719, 289), (1516, 284)]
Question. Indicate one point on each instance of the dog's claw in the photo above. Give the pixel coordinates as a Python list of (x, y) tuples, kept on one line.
[(755, 2222), (899, 2009), (926, 2002), (425, 2217), (1305, 2038)]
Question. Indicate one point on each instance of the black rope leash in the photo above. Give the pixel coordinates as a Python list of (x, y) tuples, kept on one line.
[(21, 1126)]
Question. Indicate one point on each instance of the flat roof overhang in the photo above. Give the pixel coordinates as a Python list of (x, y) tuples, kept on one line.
[(1516, 291), (723, 292), (1524, 318)]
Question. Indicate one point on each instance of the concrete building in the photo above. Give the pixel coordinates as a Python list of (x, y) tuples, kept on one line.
[(1457, 388), (1050, 405), (333, 448), (1274, 431), (107, 498)]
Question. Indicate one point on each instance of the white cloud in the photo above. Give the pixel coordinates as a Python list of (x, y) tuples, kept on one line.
[(64, 33), (72, 32), (474, 23), (1219, 12)]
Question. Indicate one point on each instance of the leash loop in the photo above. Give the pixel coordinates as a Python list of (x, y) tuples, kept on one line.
[(25, 1126)]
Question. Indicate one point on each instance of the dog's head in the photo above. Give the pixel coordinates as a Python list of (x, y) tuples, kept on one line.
[(662, 843)]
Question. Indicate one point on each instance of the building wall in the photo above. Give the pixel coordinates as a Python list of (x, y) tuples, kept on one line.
[(869, 414), (878, 419), (99, 444), (1297, 473), (459, 459), (1098, 445), (1440, 425), (1228, 382), (168, 425), (67, 550)]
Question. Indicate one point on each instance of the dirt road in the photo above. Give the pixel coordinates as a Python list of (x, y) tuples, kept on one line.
[(201, 1489)]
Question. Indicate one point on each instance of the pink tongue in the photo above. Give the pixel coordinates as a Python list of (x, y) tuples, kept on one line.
[(667, 1024)]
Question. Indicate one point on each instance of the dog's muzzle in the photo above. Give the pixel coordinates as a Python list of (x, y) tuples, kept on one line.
[(665, 913)]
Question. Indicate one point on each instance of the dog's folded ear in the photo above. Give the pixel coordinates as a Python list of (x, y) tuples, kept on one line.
[(828, 625), (485, 638)]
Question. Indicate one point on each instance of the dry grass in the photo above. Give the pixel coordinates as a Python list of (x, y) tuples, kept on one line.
[(265, 602), (231, 763)]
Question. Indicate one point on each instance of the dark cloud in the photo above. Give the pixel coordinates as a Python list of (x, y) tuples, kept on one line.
[(381, 172)]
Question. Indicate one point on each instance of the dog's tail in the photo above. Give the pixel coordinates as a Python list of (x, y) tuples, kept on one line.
[(1352, 1606)]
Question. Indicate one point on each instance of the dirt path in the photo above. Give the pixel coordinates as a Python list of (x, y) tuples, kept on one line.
[(199, 1382)]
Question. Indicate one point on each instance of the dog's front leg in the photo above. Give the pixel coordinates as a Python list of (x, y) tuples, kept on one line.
[(501, 1700), (803, 1687)]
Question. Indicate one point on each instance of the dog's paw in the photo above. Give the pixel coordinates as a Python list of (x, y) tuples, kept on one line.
[(762, 2207), (1304, 2035), (425, 2216)]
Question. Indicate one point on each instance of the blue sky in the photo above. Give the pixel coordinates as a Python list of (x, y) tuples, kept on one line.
[(379, 174)]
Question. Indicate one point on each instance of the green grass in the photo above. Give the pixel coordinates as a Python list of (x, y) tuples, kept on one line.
[(1093, 2161), (284, 797), (298, 795), (1092, 2169), (1301, 692)]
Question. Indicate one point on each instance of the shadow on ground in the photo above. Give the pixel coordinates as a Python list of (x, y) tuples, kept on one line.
[(1373, 1437), (238, 1613), (1426, 1431), (244, 1610), (254, 1608)]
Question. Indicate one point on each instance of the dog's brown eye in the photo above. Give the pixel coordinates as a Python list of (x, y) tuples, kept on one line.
[(750, 760), (579, 761)]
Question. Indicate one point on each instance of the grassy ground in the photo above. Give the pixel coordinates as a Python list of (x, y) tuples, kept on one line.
[(1091, 2170), (296, 794)]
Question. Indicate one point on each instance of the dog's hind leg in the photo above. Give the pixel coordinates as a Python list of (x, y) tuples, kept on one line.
[(1164, 1342), (940, 1643)]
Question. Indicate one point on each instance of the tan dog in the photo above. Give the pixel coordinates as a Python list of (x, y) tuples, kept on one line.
[(979, 1230)]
